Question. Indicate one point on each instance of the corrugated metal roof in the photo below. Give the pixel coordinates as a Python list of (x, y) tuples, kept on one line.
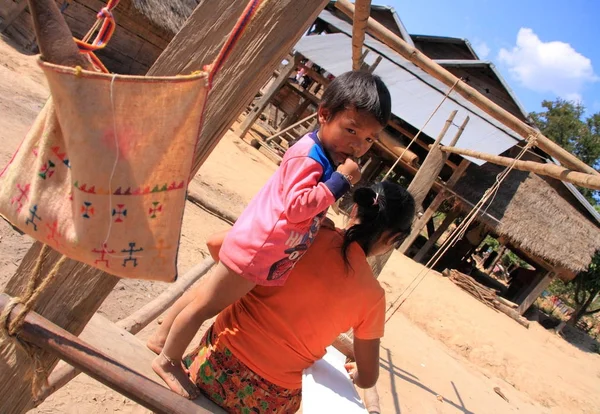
[(415, 94)]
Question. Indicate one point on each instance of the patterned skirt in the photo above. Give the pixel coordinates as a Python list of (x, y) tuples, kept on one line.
[(232, 385)]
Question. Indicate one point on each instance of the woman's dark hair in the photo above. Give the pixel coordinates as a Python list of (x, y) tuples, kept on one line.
[(384, 207), (361, 90)]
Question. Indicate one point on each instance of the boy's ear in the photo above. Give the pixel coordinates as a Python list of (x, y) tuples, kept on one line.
[(323, 114)]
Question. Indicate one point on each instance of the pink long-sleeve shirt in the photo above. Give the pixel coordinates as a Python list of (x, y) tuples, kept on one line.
[(280, 223)]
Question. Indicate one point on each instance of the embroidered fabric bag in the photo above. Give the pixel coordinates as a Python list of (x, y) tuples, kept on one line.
[(102, 175)]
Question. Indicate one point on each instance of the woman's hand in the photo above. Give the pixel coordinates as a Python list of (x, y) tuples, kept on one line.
[(351, 368)]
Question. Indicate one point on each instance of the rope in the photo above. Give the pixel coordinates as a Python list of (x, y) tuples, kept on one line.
[(11, 328), (459, 231), (420, 130)]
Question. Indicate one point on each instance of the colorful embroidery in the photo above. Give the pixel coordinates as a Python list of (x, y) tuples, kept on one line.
[(31, 219), (47, 170), (120, 212), (102, 252), (87, 211), (156, 208), (61, 156), (53, 232), (128, 191), (131, 251), (23, 194)]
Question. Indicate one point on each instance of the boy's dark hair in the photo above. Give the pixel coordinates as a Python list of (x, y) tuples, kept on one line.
[(361, 90), (384, 207)]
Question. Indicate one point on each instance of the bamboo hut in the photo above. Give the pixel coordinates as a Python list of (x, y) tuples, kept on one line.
[(145, 28)]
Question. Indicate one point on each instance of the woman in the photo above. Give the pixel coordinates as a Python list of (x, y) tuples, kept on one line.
[(252, 358)]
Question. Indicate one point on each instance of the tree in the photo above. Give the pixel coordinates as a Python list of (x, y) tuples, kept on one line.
[(586, 287), (564, 123)]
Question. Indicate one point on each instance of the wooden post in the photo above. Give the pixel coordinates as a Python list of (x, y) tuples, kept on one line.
[(293, 117), (469, 93), (264, 100), (450, 217), (359, 25), (421, 184), (79, 290), (534, 291), (551, 170), (500, 253), (44, 334), (435, 204)]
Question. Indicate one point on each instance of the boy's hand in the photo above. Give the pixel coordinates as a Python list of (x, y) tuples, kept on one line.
[(350, 169), (328, 223)]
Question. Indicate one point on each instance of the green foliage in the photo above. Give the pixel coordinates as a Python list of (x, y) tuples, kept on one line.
[(564, 123)]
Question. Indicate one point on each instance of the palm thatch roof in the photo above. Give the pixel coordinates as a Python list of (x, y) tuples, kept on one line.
[(168, 14), (534, 217)]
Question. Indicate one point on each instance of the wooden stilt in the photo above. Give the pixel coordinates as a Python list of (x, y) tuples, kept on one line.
[(264, 100), (44, 334), (78, 290), (435, 204), (469, 93), (534, 291), (448, 220), (359, 25)]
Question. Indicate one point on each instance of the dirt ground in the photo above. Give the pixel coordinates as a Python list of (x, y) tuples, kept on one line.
[(444, 352)]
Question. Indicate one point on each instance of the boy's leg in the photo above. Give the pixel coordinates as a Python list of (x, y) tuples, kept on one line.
[(220, 289), (157, 340)]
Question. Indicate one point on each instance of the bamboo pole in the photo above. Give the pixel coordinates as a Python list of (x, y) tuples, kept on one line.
[(495, 111), (42, 333), (548, 169), (360, 19)]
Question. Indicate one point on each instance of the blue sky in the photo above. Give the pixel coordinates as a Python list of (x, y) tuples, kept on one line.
[(544, 49)]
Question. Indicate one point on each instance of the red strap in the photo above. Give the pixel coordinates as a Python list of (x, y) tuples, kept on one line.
[(233, 38)]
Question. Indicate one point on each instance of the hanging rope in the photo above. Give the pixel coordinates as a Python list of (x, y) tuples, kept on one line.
[(420, 130), (10, 328), (459, 231)]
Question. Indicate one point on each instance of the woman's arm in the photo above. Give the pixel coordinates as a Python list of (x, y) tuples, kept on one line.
[(215, 242), (365, 371)]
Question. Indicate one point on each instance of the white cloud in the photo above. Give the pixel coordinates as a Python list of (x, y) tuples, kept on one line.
[(548, 66), (482, 49)]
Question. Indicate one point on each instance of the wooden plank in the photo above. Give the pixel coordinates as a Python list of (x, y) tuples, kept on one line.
[(42, 333), (78, 291), (11, 12), (448, 220)]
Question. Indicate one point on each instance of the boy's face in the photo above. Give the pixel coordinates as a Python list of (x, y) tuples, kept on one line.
[(349, 134)]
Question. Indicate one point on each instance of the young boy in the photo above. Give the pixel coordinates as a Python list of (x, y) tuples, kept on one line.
[(280, 223)]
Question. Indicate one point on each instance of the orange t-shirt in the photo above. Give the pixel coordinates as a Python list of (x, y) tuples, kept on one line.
[(277, 332)]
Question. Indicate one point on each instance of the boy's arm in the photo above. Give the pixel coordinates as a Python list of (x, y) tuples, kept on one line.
[(214, 244), (304, 196)]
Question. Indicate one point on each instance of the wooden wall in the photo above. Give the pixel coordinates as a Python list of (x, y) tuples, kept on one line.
[(134, 47)]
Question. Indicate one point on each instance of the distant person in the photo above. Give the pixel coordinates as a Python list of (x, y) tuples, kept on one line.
[(281, 222)]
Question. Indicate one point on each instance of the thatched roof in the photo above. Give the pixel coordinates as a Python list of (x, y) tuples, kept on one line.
[(168, 14), (535, 217)]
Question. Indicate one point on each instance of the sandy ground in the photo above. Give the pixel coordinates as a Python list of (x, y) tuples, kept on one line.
[(443, 352)]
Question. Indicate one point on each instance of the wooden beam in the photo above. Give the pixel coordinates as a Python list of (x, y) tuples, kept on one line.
[(264, 100), (448, 220), (534, 291), (359, 25), (303, 93), (16, 11), (547, 169), (79, 290), (472, 95), (42, 333), (314, 75), (133, 323), (388, 141)]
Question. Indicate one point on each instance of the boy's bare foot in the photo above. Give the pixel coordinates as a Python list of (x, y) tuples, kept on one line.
[(174, 375), (156, 344)]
